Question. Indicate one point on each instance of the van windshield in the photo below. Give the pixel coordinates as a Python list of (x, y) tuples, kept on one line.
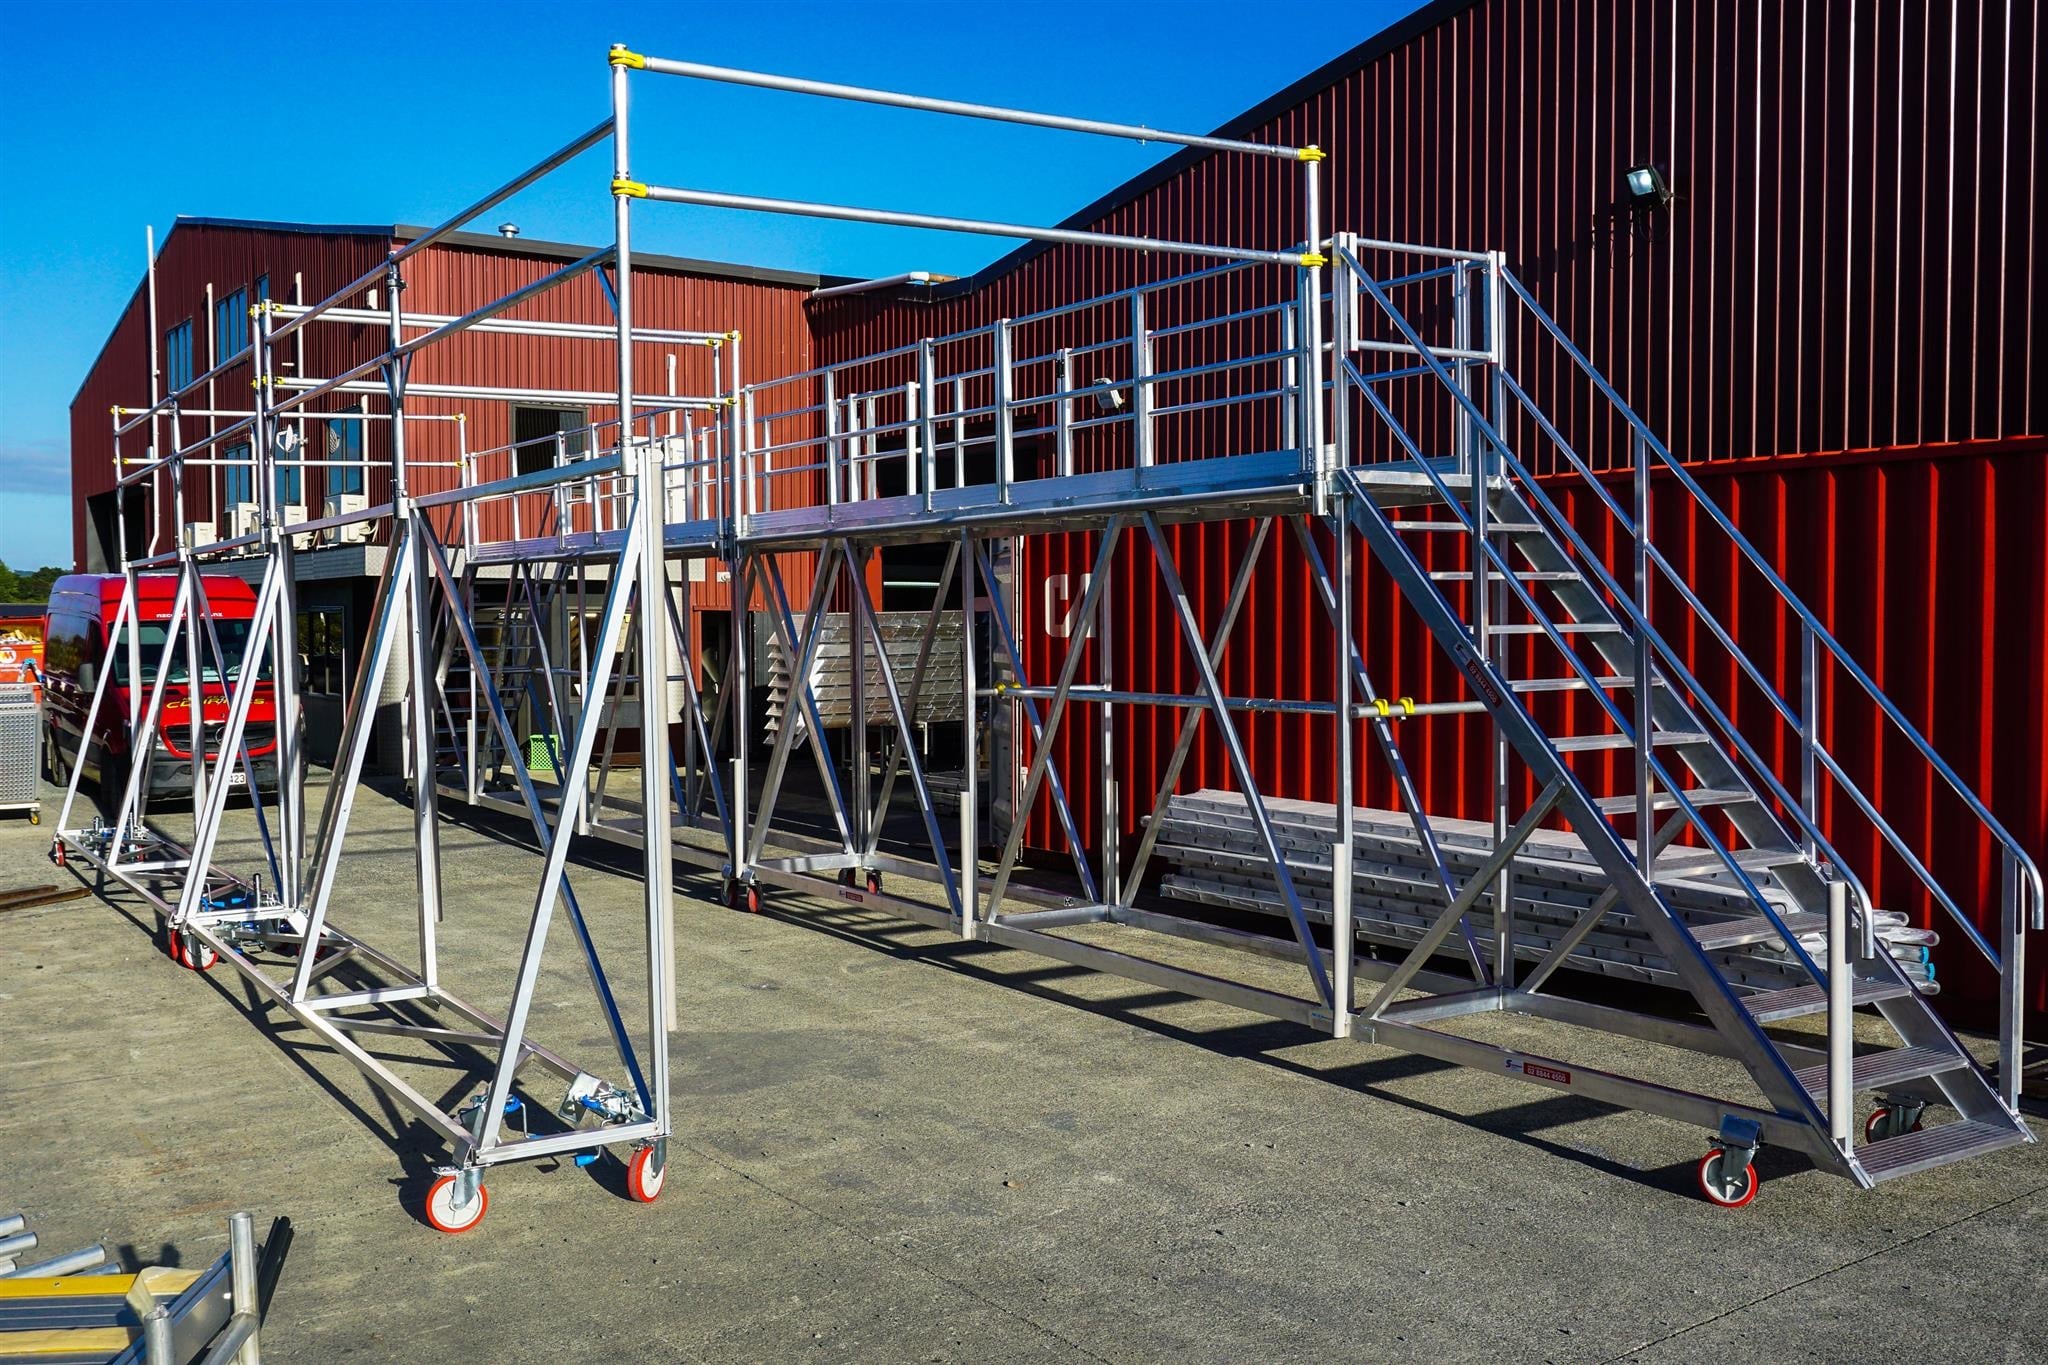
[(234, 642)]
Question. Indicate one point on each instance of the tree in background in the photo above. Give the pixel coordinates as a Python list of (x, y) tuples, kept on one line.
[(28, 587)]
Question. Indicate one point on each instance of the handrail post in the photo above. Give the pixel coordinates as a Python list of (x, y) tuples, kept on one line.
[(830, 403), (1809, 734), (913, 432), (1063, 412), (1841, 1022), (1005, 426), (926, 397), (1141, 385), (1646, 851), (2012, 978)]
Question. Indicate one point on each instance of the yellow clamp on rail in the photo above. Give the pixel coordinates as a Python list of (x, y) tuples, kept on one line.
[(624, 56), (732, 336), (632, 189), (1407, 706), (1314, 260), (1379, 704), (1311, 154)]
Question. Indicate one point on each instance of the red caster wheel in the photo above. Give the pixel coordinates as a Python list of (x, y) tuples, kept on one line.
[(1885, 1122), (192, 954), (874, 883), (174, 946), (753, 900), (442, 1213), (1729, 1189), (57, 852), (645, 1175), (846, 877)]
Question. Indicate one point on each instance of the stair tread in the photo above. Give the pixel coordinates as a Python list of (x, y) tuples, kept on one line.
[(1910, 1152), (1812, 998), (1734, 933), (1614, 680), (1525, 575), (1507, 527), (1561, 627), (1679, 862), (1664, 800), (1572, 744), (1875, 1070)]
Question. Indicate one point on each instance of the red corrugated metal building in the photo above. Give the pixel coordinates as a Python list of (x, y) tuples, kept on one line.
[(1836, 322)]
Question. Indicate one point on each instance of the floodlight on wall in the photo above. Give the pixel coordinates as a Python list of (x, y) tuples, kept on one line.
[(1108, 397), (1646, 188)]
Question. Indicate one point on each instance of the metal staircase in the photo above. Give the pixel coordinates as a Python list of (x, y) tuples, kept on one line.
[(1700, 794)]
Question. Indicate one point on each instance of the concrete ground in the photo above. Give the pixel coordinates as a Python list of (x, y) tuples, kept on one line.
[(891, 1146)]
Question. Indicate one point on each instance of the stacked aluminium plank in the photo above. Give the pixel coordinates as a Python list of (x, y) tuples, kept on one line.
[(1215, 858), (938, 700)]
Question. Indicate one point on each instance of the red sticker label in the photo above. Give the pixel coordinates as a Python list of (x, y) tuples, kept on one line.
[(1546, 1073)]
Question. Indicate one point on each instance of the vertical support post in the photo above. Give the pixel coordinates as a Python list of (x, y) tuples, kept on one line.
[(242, 1276), (959, 433), (642, 474), (970, 749), (913, 438), (1105, 737), (290, 727), (1491, 606), (1841, 1020), (419, 709), (857, 734), (1290, 376), (1343, 935), (1004, 382)]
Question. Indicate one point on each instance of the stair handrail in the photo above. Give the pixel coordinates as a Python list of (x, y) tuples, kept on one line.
[(1345, 372), (2029, 874)]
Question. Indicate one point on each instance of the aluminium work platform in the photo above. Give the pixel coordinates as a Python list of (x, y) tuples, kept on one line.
[(1341, 395)]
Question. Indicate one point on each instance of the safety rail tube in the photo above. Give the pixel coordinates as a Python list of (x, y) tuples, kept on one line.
[(804, 208), (996, 113), (2028, 870), (426, 239)]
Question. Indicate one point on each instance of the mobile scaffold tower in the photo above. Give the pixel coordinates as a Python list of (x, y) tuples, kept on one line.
[(1329, 395)]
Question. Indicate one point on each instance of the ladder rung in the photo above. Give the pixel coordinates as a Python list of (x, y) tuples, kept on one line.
[(1561, 627), (1812, 998), (1736, 933), (1571, 744), (1664, 800), (1876, 1070), (1524, 575)]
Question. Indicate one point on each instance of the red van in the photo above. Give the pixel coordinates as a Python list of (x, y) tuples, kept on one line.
[(76, 649)]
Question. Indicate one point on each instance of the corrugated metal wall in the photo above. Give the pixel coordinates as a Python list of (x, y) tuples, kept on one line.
[(1853, 264)]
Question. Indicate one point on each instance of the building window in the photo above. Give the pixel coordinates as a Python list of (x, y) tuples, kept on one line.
[(263, 289), (534, 431), (239, 484), (178, 356), (289, 485), (345, 442), (230, 324), (323, 651)]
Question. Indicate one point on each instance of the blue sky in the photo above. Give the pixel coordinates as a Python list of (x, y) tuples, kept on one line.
[(117, 116)]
